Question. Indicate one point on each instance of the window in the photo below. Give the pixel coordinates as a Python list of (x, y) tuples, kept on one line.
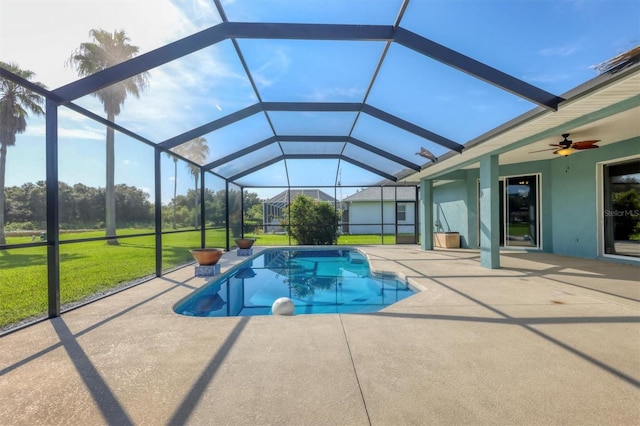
[(401, 212)]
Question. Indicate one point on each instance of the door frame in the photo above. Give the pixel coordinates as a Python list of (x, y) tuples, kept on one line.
[(504, 198)]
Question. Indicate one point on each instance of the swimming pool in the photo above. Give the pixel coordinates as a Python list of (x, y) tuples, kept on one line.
[(316, 280)]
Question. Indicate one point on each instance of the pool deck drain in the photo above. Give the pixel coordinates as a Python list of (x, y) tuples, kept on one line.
[(544, 340)]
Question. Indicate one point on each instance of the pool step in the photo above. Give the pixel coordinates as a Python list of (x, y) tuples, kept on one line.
[(356, 258), (277, 262)]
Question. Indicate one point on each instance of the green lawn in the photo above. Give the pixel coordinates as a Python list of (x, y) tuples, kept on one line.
[(518, 229), (283, 240), (86, 268), (93, 267)]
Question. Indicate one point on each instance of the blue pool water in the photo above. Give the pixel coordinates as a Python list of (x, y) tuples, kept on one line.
[(316, 280)]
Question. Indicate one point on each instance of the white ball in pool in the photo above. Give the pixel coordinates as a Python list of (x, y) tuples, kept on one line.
[(282, 306)]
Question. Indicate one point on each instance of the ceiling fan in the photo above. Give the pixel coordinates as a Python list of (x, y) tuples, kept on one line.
[(566, 147)]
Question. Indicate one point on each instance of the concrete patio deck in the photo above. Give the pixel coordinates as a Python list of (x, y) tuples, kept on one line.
[(544, 340)]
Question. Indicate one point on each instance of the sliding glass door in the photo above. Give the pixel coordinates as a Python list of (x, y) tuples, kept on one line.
[(519, 211), (621, 196), (520, 207)]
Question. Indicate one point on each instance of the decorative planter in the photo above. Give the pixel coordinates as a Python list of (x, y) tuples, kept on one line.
[(245, 243), (206, 256), (446, 239)]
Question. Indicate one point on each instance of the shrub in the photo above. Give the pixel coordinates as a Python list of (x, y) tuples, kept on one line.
[(22, 226), (312, 222)]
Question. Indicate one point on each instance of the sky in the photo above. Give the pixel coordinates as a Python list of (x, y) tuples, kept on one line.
[(552, 44)]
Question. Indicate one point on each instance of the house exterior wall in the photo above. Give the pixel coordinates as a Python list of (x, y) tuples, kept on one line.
[(410, 219), (450, 206), (569, 191), (365, 217), (575, 213)]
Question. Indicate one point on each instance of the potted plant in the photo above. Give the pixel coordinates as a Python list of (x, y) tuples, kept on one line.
[(245, 243), (206, 256)]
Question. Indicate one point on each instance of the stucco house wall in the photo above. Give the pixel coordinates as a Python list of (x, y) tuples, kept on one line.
[(569, 192), (576, 213), (368, 214), (450, 204), (365, 217)]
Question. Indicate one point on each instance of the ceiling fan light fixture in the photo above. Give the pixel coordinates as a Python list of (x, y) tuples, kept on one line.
[(565, 151)]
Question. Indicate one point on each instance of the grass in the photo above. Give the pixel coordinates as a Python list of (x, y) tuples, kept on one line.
[(518, 229), (86, 268), (94, 267), (283, 239)]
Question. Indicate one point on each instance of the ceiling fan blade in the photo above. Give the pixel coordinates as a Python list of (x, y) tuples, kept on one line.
[(548, 149), (584, 144), (566, 144)]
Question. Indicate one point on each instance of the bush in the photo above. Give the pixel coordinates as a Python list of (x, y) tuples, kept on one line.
[(312, 222), (21, 226)]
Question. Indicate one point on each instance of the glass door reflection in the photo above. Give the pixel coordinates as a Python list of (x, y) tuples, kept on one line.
[(622, 209), (521, 211)]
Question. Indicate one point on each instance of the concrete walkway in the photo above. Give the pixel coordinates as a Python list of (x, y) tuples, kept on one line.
[(545, 340)]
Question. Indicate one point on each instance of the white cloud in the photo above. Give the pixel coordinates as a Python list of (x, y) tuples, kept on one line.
[(567, 50), (72, 116), (332, 93), (85, 133), (57, 28), (178, 97), (35, 130), (181, 94), (272, 69)]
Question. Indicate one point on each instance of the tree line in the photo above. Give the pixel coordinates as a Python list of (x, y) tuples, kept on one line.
[(83, 207)]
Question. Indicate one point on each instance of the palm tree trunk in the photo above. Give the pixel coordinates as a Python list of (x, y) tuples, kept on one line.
[(195, 204), (3, 168), (175, 189), (110, 191)]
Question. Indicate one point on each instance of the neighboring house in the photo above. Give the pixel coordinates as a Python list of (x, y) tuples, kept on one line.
[(377, 210), (512, 189), (273, 209)]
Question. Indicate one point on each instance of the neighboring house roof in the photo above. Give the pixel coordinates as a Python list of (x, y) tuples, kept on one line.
[(287, 196), (404, 193)]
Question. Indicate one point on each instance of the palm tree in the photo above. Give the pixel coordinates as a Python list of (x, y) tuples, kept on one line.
[(197, 151), (105, 50), (15, 104), (175, 185)]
